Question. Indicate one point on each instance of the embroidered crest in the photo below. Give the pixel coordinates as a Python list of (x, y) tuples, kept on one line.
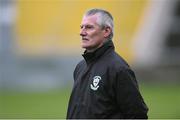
[(95, 84)]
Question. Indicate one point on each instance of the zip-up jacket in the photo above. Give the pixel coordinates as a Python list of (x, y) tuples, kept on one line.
[(105, 87)]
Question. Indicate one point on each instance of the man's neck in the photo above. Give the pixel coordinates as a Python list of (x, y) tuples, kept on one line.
[(94, 49)]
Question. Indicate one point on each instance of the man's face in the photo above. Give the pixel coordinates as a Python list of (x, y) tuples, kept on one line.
[(92, 34)]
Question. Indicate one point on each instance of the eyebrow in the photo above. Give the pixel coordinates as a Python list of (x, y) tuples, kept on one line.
[(88, 25)]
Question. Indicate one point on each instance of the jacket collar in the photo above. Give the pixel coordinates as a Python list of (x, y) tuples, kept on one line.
[(91, 56)]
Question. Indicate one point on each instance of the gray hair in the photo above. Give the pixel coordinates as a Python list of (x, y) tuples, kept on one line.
[(105, 19)]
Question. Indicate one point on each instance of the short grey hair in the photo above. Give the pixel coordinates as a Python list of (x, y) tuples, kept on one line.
[(105, 19)]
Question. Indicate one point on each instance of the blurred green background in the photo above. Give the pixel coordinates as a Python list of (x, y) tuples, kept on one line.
[(162, 100)]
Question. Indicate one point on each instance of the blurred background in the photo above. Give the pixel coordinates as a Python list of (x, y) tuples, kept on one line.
[(40, 47)]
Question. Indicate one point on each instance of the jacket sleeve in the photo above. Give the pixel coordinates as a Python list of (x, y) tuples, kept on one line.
[(128, 97), (75, 72), (77, 69)]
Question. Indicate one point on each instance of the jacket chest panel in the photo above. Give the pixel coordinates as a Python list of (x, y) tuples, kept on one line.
[(91, 84)]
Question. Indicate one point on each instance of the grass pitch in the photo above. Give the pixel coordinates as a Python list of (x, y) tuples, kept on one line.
[(162, 100)]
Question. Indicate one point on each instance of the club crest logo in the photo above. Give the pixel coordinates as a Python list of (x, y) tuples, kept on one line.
[(95, 84)]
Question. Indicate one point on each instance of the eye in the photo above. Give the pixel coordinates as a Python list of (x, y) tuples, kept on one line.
[(89, 27), (81, 26)]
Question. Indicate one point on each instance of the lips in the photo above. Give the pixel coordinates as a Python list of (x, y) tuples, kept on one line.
[(85, 39)]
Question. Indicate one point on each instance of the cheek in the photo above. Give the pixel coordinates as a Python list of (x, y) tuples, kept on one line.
[(95, 36)]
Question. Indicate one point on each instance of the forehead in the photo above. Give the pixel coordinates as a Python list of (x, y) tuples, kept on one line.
[(92, 19)]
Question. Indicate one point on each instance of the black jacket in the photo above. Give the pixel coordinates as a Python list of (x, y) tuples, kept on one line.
[(105, 87)]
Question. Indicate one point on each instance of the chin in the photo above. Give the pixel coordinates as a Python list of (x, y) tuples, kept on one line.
[(84, 46)]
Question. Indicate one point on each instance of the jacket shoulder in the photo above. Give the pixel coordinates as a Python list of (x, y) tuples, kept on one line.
[(115, 61), (78, 68)]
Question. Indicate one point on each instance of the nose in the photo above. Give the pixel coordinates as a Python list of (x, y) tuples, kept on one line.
[(83, 32)]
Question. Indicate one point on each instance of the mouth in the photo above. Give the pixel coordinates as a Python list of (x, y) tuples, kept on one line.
[(85, 39)]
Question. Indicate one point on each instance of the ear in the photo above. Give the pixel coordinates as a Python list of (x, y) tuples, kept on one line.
[(107, 31)]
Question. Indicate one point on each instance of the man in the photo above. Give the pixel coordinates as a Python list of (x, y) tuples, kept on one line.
[(104, 84)]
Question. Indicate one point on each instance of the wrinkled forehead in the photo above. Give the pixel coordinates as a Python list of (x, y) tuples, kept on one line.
[(90, 19)]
